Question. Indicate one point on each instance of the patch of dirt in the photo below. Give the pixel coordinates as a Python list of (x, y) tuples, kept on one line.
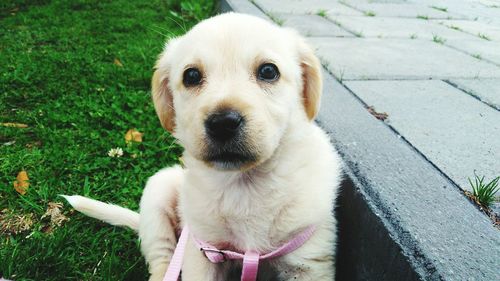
[(495, 219)]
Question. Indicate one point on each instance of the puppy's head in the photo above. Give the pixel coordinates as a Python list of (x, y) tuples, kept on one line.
[(229, 89)]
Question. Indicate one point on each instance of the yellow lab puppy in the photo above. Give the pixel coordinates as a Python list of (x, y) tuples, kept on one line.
[(240, 94)]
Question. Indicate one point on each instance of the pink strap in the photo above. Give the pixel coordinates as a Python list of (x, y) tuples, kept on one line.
[(250, 259), (174, 268), (250, 266), (291, 245)]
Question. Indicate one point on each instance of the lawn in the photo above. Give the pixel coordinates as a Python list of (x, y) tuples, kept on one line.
[(74, 78)]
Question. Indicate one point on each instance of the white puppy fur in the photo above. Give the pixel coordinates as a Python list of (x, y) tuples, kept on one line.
[(287, 180)]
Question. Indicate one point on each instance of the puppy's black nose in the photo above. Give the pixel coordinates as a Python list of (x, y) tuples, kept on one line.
[(223, 126)]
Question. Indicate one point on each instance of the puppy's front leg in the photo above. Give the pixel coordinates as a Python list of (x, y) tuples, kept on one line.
[(196, 266), (315, 260), (159, 219)]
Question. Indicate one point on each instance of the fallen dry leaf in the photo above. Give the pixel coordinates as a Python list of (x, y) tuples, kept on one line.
[(118, 62), (11, 223), (54, 213), (22, 182), (14, 125), (34, 144), (379, 115), (133, 135)]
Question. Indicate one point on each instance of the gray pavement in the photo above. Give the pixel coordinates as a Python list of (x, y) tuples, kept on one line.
[(385, 52), (452, 129)]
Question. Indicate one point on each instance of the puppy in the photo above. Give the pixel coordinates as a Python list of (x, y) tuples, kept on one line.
[(240, 95)]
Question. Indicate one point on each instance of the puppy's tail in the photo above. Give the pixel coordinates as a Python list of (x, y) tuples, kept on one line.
[(109, 213)]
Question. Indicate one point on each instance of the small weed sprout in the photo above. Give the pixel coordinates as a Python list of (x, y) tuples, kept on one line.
[(344, 3), (483, 36), (341, 75), (477, 56), (413, 36), (455, 27), (442, 9), (484, 192), (358, 33), (279, 21), (336, 22), (321, 13), (369, 13), (476, 76), (438, 39), (422, 17)]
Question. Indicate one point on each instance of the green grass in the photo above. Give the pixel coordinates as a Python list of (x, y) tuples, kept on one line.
[(438, 39), (477, 56), (358, 33), (484, 192), (322, 13), (442, 9), (369, 13), (276, 19), (455, 27), (483, 36), (58, 76)]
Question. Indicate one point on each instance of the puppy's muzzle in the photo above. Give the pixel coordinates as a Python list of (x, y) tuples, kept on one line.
[(226, 140), (224, 126)]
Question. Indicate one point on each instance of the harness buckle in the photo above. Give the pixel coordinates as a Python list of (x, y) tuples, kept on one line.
[(215, 251)]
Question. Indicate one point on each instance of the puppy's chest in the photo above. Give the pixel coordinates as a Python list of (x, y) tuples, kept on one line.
[(241, 219), (253, 230), (276, 270)]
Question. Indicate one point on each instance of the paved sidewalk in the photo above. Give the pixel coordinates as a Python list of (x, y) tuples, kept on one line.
[(432, 66)]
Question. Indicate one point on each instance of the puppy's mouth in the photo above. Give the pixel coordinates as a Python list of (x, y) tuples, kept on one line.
[(230, 160)]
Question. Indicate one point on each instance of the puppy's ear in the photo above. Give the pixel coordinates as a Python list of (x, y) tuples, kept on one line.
[(163, 100), (312, 82)]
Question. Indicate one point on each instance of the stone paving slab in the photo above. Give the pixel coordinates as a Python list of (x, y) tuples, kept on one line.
[(472, 10), (385, 27), (401, 9), (313, 25), (479, 48), (305, 7), (487, 90), (477, 28), (374, 58), (456, 132)]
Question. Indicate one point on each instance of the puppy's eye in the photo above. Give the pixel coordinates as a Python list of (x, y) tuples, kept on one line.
[(191, 77), (268, 72)]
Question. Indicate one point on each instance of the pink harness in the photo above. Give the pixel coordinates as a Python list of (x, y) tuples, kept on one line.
[(250, 259)]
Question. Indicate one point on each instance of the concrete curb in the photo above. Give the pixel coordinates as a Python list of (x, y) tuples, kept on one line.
[(399, 217)]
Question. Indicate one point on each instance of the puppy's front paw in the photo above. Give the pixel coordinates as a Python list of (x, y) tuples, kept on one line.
[(158, 273)]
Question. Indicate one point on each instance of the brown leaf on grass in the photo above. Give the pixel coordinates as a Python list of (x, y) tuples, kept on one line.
[(14, 125), (12, 223), (34, 144), (55, 215), (118, 62), (133, 135), (379, 115), (22, 182)]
